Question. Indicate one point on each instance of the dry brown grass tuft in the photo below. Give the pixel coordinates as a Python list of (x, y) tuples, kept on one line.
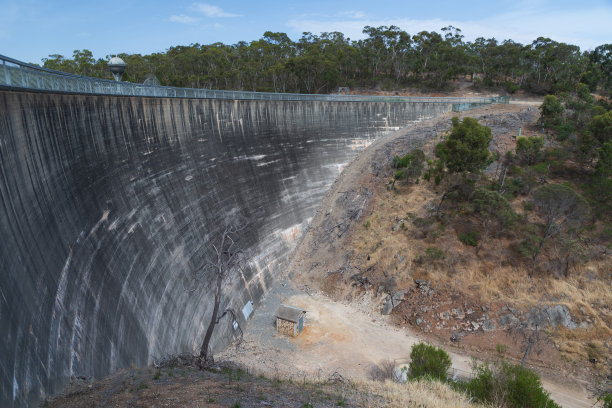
[(422, 394)]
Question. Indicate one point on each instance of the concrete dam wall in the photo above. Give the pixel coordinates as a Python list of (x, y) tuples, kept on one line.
[(108, 203)]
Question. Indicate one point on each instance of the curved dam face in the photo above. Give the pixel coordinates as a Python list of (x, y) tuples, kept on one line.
[(109, 203)]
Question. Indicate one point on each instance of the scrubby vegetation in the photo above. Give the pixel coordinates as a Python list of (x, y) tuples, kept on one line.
[(564, 184), (388, 58), (499, 384), (500, 237), (230, 386), (428, 361), (502, 384)]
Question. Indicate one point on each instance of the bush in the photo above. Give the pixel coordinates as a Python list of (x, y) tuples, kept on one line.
[(481, 387), (409, 166), (529, 247), (431, 255), (466, 149), (565, 130), (606, 400), (428, 361), (400, 174), (383, 371), (508, 385), (529, 149), (511, 87), (525, 389), (399, 162), (551, 111), (471, 238), (434, 254)]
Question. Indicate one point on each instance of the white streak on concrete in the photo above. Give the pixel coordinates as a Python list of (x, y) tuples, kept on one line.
[(254, 157), (15, 385), (267, 163), (100, 221)]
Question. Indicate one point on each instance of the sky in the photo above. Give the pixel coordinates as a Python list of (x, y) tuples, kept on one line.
[(31, 30)]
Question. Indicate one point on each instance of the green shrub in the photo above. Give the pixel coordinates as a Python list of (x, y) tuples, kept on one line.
[(511, 87), (399, 162), (470, 238), (525, 389), (409, 166), (540, 168), (466, 148), (551, 112), (606, 400), (529, 246), (434, 253), (515, 186), (400, 174), (529, 149), (481, 387), (428, 361), (508, 385), (565, 130)]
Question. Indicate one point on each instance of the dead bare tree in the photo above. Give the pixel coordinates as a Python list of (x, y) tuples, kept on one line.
[(226, 256), (531, 330)]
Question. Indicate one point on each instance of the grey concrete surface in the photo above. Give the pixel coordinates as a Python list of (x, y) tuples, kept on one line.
[(108, 203)]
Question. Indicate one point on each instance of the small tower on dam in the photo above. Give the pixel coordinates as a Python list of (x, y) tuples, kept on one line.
[(117, 67)]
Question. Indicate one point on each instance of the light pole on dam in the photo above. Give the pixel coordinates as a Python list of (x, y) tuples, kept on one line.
[(109, 200)]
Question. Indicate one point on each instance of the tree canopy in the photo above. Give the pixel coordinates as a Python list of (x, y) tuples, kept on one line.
[(466, 149), (529, 149), (560, 207), (494, 211), (388, 57)]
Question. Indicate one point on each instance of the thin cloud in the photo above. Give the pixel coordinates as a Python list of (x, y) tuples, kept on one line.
[(182, 19), (212, 11), (353, 14)]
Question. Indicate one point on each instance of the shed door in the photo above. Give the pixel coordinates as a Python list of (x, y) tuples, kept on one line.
[(300, 324)]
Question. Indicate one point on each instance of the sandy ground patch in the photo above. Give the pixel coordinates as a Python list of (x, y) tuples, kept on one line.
[(345, 338)]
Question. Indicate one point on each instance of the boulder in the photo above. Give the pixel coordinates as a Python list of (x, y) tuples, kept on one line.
[(488, 325), (559, 315), (508, 320)]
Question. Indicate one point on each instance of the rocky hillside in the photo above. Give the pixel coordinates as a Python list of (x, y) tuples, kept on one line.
[(424, 264)]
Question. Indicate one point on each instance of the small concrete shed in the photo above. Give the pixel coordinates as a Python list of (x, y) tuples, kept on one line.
[(290, 320)]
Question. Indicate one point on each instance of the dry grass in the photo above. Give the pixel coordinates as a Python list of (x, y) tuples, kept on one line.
[(189, 387), (421, 394)]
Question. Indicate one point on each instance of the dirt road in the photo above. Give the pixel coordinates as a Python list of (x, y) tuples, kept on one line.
[(343, 338)]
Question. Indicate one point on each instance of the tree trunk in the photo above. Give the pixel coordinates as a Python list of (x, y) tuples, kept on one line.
[(527, 350), (484, 238), (204, 357)]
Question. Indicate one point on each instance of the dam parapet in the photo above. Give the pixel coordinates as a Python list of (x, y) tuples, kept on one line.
[(19, 75)]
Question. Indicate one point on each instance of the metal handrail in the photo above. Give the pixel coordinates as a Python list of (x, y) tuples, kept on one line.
[(15, 74)]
